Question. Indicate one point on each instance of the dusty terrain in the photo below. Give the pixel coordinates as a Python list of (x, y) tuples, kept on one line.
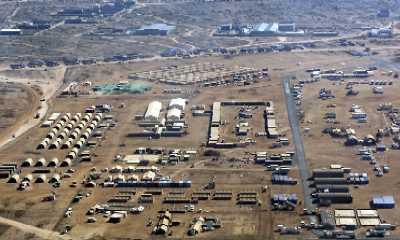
[(194, 20), (320, 148), (28, 97)]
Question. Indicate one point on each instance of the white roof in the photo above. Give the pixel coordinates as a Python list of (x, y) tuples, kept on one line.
[(345, 213), (174, 114), (149, 175), (10, 30), (347, 221), (177, 102), (153, 111), (47, 123), (54, 116)]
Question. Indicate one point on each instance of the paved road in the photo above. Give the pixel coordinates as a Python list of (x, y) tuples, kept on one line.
[(298, 142)]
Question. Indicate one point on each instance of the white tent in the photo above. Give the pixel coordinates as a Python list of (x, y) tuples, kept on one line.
[(55, 178), (178, 103), (41, 162), (66, 163), (27, 163), (174, 114), (14, 178), (53, 162), (153, 111), (41, 178)]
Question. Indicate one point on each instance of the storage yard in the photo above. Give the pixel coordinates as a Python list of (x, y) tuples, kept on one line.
[(276, 130)]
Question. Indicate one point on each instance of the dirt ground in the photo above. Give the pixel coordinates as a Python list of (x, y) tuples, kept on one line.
[(320, 148), (239, 222)]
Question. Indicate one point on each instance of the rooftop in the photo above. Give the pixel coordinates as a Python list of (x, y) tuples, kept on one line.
[(267, 27), (158, 26)]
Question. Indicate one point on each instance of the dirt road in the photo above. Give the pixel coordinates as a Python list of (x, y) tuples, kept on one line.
[(42, 233), (48, 88)]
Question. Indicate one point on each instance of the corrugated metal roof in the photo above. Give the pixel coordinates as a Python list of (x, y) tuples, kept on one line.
[(158, 26), (263, 27)]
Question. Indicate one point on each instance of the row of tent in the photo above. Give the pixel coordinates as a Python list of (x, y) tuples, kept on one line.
[(54, 162), (41, 178), (66, 124)]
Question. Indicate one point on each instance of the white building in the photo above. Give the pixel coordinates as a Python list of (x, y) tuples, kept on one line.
[(174, 114), (178, 103), (149, 176), (153, 111)]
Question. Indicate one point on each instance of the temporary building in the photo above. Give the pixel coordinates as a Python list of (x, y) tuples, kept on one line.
[(76, 119), (327, 219), (319, 173), (66, 163), (330, 181), (153, 111), (133, 178), (27, 162), (116, 169), (28, 178), (178, 103), (116, 217), (47, 124), (84, 122), (174, 114), (332, 188), (72, 155), (79, 144), (56, 178), (335, 197), (216, 114), (69, 126), (63, 135), (68, 143), (53, 162), (88, 130), (41, 178), (76, 133), (109, 178), (97, 118), (383, 202), (58, 126), (85, 135), (86, 118), (14, 178), (149, 176), (98, 134), (51, 134), (75, 150), (56, 144), (43, 144), (91, 126), (119, 178), (41, 162), (65, 117)]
